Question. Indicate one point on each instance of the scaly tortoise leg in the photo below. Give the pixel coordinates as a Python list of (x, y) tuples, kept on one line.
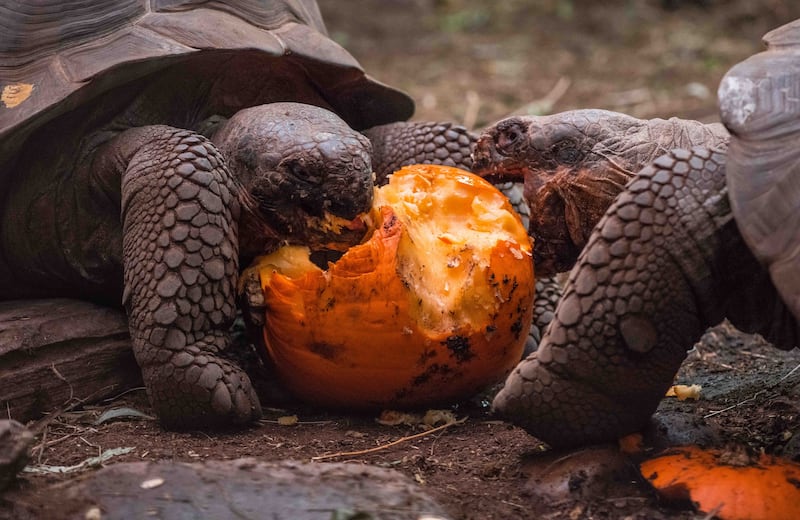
[(180, 259), (399, 144), (644, 289)]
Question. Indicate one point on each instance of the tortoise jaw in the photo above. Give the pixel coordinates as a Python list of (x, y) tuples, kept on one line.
[(333, 232), (493, 166)]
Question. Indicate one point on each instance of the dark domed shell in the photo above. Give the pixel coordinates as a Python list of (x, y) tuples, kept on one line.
[(760, 105), (59, 54)]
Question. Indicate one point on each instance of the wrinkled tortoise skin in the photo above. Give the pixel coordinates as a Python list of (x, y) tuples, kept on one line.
[(698, 236), (133, 174)]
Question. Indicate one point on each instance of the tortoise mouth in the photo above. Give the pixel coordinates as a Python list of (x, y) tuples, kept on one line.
[(494, 166), (295, 226), (332, 232)]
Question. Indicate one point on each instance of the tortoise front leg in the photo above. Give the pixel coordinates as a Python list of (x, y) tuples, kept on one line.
[(180, 258), (664, 263)]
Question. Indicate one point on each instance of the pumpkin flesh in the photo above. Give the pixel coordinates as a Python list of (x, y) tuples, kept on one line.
[(766, 488), (434, 306)]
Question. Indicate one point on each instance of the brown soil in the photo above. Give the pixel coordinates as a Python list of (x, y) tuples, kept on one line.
[(465, 61)]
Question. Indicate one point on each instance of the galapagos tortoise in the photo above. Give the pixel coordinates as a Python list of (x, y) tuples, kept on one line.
[(698, 236), (573, 164), (110, 192)]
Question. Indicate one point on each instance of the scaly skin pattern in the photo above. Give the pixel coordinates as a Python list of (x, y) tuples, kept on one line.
[(425, 142), (664, 263), (573, 164), (179, 212), (151, 218), (192, 211), (299, 165), (400, 144)]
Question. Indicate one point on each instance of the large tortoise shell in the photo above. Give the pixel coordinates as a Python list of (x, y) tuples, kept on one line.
[(56, 55), (760, 104)]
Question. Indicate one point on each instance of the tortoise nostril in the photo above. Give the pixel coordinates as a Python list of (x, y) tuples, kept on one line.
[(507, 138)]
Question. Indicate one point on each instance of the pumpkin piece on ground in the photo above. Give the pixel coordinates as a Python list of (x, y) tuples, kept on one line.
[(730, 485)]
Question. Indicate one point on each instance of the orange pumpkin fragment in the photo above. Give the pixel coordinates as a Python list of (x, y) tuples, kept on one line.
[(764, 488), (432, 308)]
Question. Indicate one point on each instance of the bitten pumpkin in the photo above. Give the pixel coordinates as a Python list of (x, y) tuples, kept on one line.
[(434, 306)]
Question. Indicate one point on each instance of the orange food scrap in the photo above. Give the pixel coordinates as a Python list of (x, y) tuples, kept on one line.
[(732, 488), (684, 392), (433, 307), (631, 444)]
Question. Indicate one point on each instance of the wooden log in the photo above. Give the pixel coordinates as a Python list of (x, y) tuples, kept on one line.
[(56, 352), (233, 489)]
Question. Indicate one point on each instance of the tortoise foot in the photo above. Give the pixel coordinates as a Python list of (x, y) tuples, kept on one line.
[(198, 389)]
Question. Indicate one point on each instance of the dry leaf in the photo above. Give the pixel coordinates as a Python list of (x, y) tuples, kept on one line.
[(288, 420), (434, 418), (431, 419), (395, 418)]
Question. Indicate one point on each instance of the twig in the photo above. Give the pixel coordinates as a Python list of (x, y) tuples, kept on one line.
[(41, 446), (545, 104), (44, 444), (754, 396), (731, 407), (37, 426), (473, 106), (128, 391), (792, 371), (62, 378), (267, 421), (389, 445), (753, 354)]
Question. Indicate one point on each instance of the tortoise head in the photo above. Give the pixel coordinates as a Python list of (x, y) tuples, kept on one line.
[(572, 164), (307, 173)]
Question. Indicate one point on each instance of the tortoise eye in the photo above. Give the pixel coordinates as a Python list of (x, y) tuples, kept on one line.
[(568, 154), (302, 172)]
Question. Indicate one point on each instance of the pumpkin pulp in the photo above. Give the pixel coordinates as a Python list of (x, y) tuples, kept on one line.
[(432, 307)]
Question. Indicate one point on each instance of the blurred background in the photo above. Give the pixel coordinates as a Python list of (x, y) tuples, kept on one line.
[(475, 61)]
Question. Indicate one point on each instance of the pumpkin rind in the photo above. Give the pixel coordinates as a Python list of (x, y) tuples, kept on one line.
[(766, 489), (369, 333)]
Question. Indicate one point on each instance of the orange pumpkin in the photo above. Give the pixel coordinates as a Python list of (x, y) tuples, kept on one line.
[(732, 488), (433, 307)]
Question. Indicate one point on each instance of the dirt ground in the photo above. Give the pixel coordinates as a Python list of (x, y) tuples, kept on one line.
[(466, 61)]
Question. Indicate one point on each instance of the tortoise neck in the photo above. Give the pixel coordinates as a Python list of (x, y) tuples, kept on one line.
[(726, 278), (746, 295)]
